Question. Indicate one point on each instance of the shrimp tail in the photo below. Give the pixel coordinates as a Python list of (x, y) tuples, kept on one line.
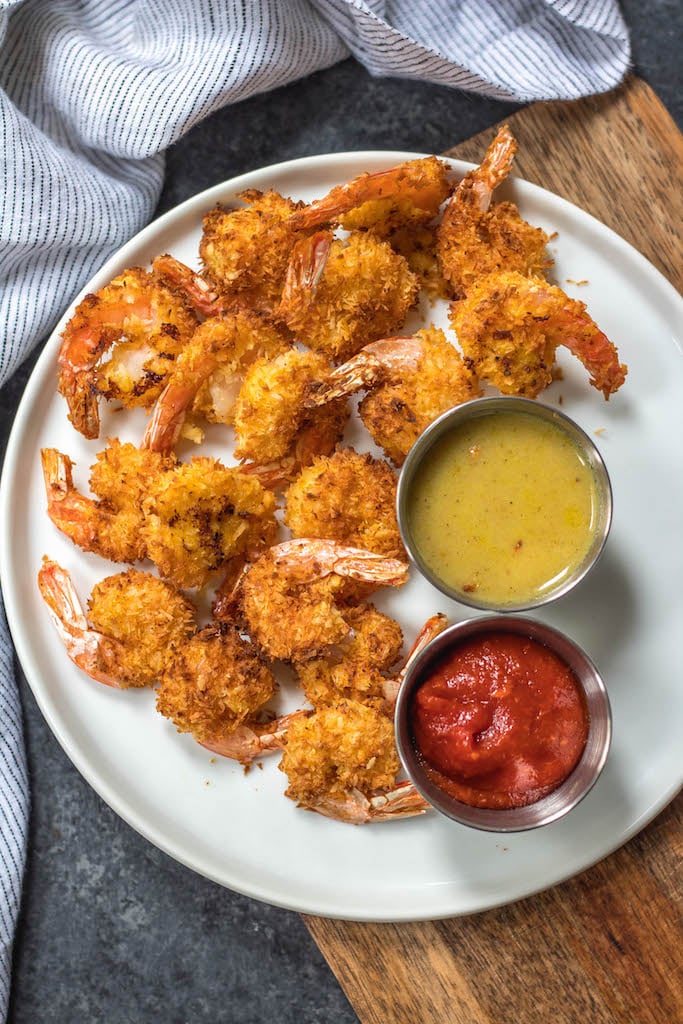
[(196, 289), (356, 809), (432, 627), (598, 355), (373, 364), (82, 644), (248, 742), (307, 559)]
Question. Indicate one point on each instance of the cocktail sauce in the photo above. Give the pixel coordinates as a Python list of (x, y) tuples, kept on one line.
[(500, 721)]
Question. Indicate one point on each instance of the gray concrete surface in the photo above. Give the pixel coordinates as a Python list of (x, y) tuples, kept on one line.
[(111, 929)]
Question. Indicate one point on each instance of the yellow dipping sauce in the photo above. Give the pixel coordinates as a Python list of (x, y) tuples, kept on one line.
[(503, 508)]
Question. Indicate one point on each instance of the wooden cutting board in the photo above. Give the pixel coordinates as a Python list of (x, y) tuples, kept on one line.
[(605, 947)]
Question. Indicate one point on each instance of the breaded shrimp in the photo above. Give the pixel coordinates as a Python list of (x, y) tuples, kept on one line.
[(356, 667), (475, 238), (202, 514), (135, 624), (353, 673), (359, 668), (410, 381), (341, 761), (215, 683), (406, 195), (347, 497), (273, 430), (245, 251), (208, 374), (341, 294), (112, 526), (509, 327), (147, 322), (291, 597)]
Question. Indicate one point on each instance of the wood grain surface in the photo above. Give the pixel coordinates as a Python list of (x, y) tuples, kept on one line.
[(604, 947)]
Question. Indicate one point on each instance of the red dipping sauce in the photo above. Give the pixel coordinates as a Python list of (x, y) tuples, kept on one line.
[(499, 722)]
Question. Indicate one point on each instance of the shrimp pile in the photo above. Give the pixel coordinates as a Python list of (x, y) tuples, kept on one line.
[(296, 323)]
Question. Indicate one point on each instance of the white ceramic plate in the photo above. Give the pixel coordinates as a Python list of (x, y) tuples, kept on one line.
[(239, 830)]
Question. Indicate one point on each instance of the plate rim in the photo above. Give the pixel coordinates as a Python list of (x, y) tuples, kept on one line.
[(7, 577)]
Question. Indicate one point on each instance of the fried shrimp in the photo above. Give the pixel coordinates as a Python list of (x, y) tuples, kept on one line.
[(358, 668), (509, 327), (113, 525), (147, 322), (409, 194), (346, 497), (340, 294), (208, 374), (475, 238), (291, 598), (215, 683), (202, 514), (410, 381), (341, 761), (245, 251), (355, 669), (135, 624), (273, 430)]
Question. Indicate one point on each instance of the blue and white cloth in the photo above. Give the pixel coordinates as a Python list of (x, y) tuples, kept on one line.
[(93, 91)]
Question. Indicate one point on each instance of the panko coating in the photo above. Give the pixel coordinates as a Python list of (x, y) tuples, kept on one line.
[(347, 497), (245, 250), (208, 374), (292, 597), (202, 514), (112, 526), (148, 323), (509, 327), (355, 669), (214, 683), (135, 623), (475, 238), (341, 747), (341, 294), (271, 423)]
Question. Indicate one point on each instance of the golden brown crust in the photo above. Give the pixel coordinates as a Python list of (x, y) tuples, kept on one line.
[(349, 498), (344, 746), (215, 682), (365, 292), (149, 617), (201, 515)]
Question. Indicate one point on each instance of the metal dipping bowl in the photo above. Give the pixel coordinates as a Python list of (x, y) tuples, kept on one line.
[(574, 788), (453, 419)]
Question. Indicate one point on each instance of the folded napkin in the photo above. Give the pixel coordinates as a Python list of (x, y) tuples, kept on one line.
[(93, 91)]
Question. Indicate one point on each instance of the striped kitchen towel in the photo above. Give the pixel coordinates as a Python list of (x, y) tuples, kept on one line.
[(93, 91)]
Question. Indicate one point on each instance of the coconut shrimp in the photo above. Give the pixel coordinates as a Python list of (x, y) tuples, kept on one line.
[(245, 251), (359, 668), (409, 194), (113, 525), (340, 294), (292, 596), (410, 381), (201, 515), (214, 684), (349, 498), (356, 667), (476, 238), (208, 374), (509, 327), (274, 433), (135, 623), (147, 323), (341, 761)]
